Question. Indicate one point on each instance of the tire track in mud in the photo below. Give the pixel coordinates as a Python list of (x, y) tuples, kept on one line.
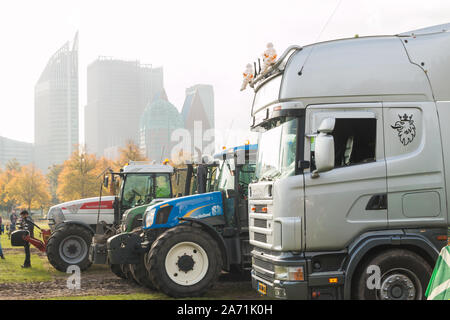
[(95, 284), (100, 281)]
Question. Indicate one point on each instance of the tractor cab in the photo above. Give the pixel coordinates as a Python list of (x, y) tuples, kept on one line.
[(236, 171), (140, 184), (141, 190)]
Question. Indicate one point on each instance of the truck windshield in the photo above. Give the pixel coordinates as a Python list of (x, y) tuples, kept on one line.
[(277, 149), (140, 189)]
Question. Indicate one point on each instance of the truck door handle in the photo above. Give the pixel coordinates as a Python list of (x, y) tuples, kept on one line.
[(377, 202)]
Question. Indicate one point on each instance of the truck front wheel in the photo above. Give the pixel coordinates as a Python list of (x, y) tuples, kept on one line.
[(396, 274), (184, 262)]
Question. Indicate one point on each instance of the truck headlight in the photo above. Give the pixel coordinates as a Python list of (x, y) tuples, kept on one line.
[(149, 217), (286, 273)]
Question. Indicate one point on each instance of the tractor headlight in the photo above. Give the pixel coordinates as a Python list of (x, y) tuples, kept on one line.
[(55, 216), (149, 217)]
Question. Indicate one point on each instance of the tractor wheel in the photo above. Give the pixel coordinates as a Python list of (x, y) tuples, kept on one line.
[(403, 275), (140, 273), (184, 262), (69, 245), (115, 268), (125, 268)]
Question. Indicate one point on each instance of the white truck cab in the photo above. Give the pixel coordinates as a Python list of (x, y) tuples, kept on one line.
[(353, 167)]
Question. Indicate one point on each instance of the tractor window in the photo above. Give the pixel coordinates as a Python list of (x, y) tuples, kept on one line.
[(354, 141), (179, 181), (212, 175), (137, 190), (246, 175), (163, 186), (226, 177)]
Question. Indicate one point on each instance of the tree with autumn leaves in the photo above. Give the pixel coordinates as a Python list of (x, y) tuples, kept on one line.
[(78, 177), (81, 175), (131, 152), (24, 187)]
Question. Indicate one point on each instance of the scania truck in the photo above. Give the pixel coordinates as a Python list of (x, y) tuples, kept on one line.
[(353, 169)]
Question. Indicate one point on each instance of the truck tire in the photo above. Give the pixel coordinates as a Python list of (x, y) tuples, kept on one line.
[(404, 275), (140, 274), (69, 245), (117, 270), (184, 261)]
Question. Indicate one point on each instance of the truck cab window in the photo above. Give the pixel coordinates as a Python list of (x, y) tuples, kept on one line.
[(354, 141)]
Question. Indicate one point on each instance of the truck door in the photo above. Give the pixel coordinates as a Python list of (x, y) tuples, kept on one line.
[(415, 174), (351, 198)]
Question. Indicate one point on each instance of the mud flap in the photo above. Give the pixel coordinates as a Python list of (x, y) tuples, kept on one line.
[(17, 238), (124, 248)]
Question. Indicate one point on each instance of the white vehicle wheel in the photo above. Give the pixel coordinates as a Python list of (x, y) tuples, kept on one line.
[(73, 249), (186, 263)]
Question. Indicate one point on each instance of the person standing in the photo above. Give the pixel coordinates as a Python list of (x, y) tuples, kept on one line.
[(1, 252), (27, 224), (13, 221), (1, 231)]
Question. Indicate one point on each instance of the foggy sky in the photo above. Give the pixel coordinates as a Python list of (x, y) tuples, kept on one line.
[(196, 41)]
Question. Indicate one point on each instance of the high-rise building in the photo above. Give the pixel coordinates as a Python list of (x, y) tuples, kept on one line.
[(159, 120), (117, 94), (198, 113), (12, 149), (56, 107)]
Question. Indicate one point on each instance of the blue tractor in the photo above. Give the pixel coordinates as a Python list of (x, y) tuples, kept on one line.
[(186, 242)]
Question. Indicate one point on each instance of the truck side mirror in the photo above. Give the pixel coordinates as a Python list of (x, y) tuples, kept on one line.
[(324, 147)]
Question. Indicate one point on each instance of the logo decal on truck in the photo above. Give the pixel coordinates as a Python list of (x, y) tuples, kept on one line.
[(405, 128)]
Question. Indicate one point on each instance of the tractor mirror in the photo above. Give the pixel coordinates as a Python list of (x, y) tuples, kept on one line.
[(230, 193), (106, 181)]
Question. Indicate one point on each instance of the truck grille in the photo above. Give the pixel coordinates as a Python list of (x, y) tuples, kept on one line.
[(260, 237), (260, 223), (264, 264), (263, 269)]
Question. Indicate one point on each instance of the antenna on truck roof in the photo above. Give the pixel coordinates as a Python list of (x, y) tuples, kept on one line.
[(320, 34)]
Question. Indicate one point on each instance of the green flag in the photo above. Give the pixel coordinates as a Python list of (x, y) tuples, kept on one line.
[(439, 286)]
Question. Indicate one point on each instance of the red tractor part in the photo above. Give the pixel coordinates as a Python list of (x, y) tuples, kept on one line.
[(20, 237)]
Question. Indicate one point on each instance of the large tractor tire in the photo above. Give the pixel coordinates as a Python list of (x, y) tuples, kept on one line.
[(126, 271), (117, 270), (184, 262), (404, 275), (69, 245), (140, 273)]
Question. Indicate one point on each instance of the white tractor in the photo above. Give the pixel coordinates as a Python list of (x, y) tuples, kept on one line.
[(73, 223)]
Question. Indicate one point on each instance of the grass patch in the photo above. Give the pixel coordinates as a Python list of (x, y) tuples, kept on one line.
[(11, 271), (10, 268), (6, 243)]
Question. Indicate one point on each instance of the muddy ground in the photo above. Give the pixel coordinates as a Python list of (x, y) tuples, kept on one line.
[(99, 281)]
